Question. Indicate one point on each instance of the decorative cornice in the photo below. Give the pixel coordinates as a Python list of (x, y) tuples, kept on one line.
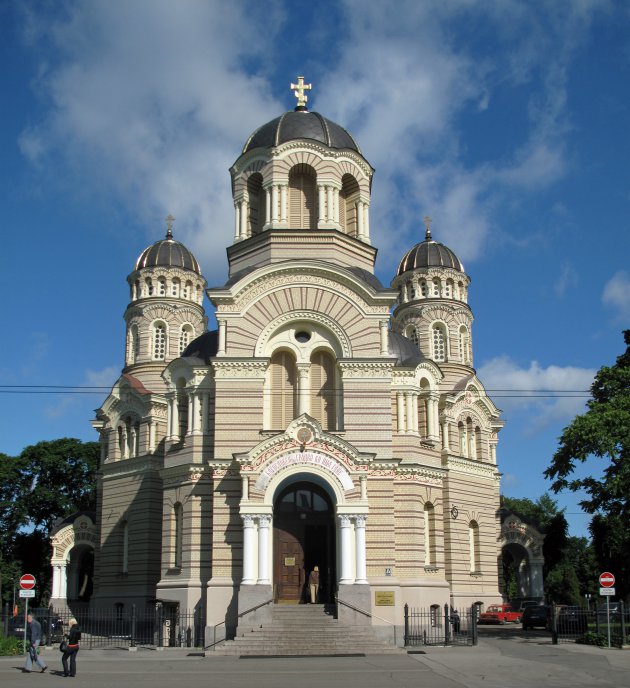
[(368, 368), (133, 466), (471, 467), (239, 368)]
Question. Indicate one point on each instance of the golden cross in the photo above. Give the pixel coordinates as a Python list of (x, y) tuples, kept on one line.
[(299, 92), (427, 226), (169, 226)]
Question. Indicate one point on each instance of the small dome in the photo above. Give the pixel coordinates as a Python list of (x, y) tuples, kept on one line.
[(428, 254), (203, 347), (406, 352), (300, 124), (168, 253)]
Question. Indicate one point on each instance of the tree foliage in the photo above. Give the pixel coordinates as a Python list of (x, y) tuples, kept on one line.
[(47, 481)]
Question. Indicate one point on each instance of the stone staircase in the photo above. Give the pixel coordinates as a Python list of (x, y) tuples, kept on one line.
[(306, 630)]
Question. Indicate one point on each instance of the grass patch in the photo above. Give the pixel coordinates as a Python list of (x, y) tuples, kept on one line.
[(10, 646)]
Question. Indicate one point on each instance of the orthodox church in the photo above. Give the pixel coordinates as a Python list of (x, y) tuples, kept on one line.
[(329, 421)]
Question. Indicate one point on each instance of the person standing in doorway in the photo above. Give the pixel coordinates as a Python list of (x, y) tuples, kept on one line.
[(33, 639), (74, 636), (313, 583)]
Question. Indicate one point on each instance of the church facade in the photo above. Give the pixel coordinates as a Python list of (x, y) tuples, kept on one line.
[(328, 421)]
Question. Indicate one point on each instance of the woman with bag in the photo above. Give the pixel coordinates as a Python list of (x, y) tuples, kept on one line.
[(71, 648)]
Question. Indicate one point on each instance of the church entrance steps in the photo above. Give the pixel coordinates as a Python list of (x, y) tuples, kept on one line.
[(305, 630)]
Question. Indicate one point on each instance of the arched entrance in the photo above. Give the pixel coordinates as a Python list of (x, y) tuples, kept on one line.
[(521, 563), (304, 537)]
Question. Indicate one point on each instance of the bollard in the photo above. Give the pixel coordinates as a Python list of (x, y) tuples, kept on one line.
[(406, 641)]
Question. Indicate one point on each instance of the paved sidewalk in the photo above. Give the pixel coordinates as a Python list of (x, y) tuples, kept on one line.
[(498, 662)]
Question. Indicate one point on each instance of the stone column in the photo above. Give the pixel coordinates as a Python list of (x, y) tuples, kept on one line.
[(400, 411), (189, 399), (221, 345), (366, 223), (152, 426), (409, 401), (237, 221), (196, 419), (267, 205), (361, 568), (205, 413), (445, 436), (248, 550), (330, 211), (321, 197), (536, 588), (345, 540), (263, 547), (360, 219), (363, 483), (243, 229), (303, 391), (432, 412), (384, 338), (274, 204), (244, 488), (414, 412), (284, 207)]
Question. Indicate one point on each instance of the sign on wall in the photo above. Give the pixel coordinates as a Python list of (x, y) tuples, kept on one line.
[(305, 458), (384, 598)]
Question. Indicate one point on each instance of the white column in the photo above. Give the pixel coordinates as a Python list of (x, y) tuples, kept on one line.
[(330, 213), (221, 347), (366, 223), (248, 550), (363, 483), (345, 540), (263, 550), (400, 408), (244, 488), (336, 205), (237, 221), (243, 228), (205, 413), (359, 536), (152, 435), (125, 447), (63, 581), (189, 401), (321, 197), (303, 405), (274, 204), (432, 409), (56, 580), (445, 436), (267, 205), (384, 338), (196, 419), (414, 412), (409, 402), (360, 219), (284, 207)]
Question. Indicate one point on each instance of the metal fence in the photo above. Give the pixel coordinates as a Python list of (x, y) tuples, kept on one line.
[(607, 628), (155, 626), (437, 625)]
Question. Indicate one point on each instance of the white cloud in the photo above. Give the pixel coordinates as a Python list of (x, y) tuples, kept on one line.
[(616, 295), (567, 279), (551, 394), (91, 378)]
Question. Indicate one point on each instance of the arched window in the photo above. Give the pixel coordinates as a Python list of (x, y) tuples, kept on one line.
[(322, 384), (149, 286), (439, 343), (302, 198), (256, 204), (424, 291), (282, 378), (430, 540), (124, 545), (448, 289), (137, 290), (412, 333), (348, 197), (182, 408), (475, 556), (436, 288), (464, 344), (159, 341), (412, 290), (161, 286), (178, 533), (122, 442), (460, 291), (185, 337), (187, 290), (175, 285)]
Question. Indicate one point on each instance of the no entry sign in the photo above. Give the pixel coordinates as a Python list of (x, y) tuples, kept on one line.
[(606, 580), (27, 582)]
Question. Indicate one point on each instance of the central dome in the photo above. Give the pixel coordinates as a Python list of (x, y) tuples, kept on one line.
[(300, 124)]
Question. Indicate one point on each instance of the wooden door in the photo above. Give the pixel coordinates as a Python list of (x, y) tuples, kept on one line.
[(289, 562)]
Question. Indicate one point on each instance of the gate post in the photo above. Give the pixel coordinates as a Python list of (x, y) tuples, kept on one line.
[(133, 625), (406, 639), (622, 611), (473, 624), (554, 624), (447, 627)]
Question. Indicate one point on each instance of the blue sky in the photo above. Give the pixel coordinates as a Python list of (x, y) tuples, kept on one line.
[(507, 122)]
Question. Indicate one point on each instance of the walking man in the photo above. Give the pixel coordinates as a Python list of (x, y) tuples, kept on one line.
[(33, 639)]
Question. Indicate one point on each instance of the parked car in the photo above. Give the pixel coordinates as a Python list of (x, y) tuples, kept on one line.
[(615, 611), (52, 627), (500, 614), (535, 616), (571, 620)]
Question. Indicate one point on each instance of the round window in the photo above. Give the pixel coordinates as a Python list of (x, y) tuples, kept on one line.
[(302, 336)]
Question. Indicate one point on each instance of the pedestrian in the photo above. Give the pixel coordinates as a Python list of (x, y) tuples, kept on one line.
[(33, 639), (74, 636), (313, 583), (455, 620)]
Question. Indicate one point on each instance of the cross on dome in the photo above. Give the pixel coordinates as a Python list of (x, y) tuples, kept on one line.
[(300, 87), (169, 226), (427, 226)]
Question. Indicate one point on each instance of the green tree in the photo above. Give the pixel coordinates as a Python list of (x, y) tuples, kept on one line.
[(562, 585), (603, 431)]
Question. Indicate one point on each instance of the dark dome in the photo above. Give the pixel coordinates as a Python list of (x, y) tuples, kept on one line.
[(204, 347), (300, 124), (168, 253), (428, 254), (406, 352)]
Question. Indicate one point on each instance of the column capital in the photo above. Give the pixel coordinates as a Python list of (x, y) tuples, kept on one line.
[(360, 520), (248, 520), (345, 520), (264, 520)]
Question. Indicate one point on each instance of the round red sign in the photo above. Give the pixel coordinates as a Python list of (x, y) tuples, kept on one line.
[(27, 582), (606, 580)]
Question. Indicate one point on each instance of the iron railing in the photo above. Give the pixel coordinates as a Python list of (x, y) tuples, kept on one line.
[(437, 625)]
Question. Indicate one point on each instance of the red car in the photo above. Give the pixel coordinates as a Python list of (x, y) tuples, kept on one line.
[(500, 614)]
